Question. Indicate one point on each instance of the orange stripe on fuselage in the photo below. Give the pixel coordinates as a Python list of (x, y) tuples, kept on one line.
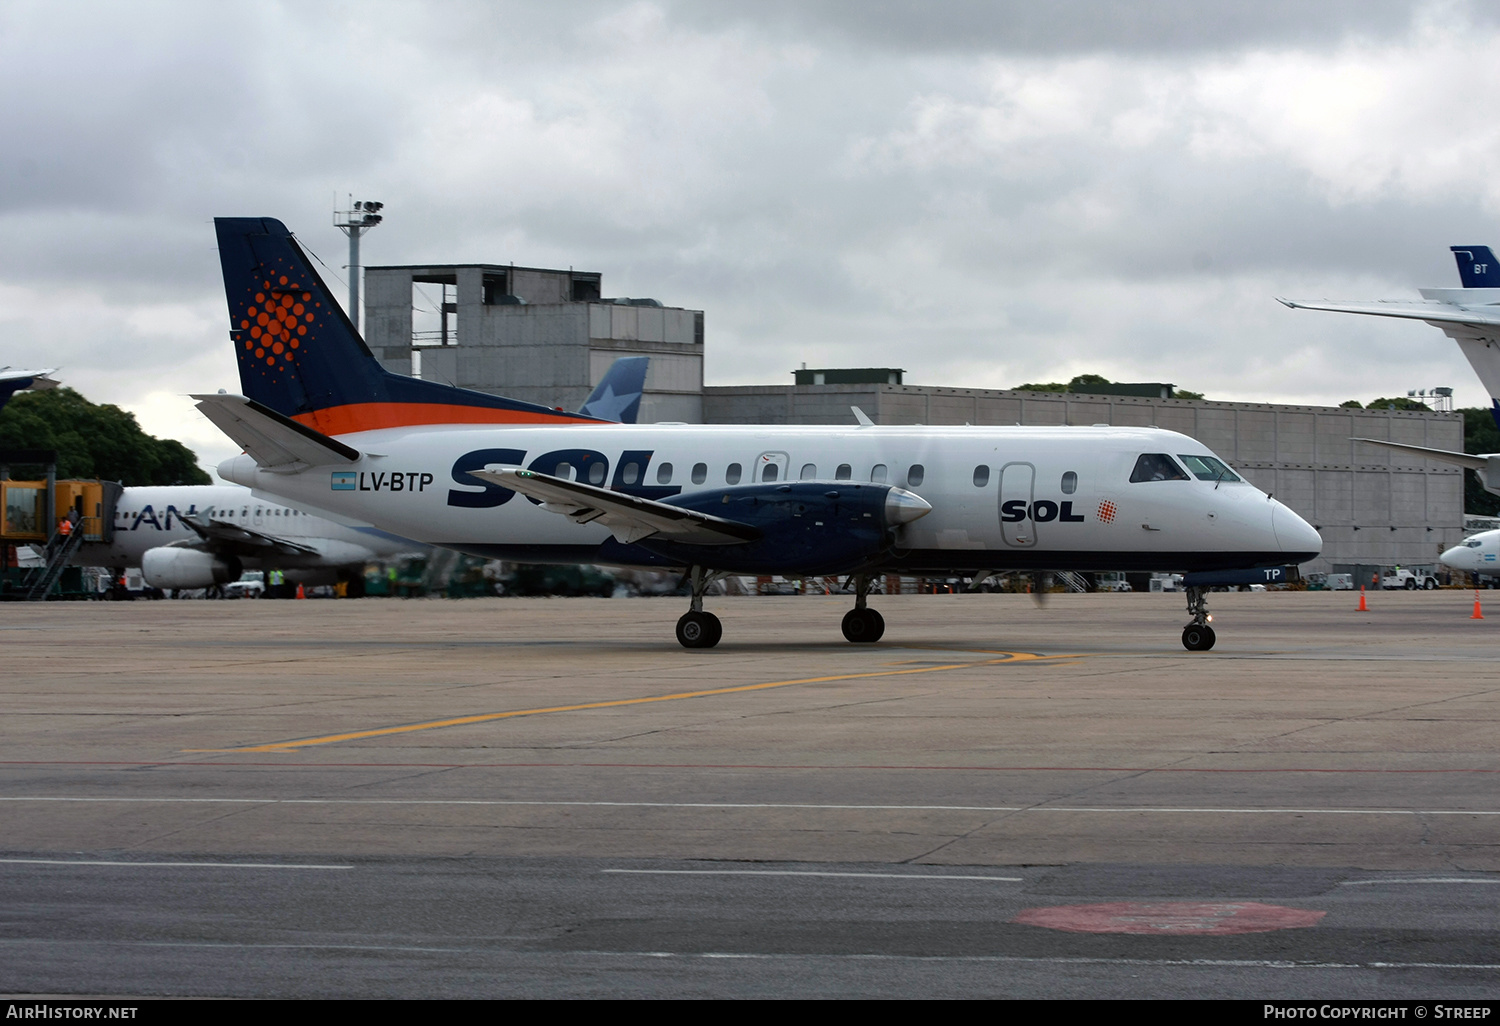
[(343, 420)]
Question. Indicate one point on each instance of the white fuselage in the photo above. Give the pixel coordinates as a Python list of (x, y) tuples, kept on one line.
[(1476, 554), (150, 517), (1001, 497)]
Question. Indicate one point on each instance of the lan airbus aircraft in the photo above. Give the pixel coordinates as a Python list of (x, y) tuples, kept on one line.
[(323, 426)]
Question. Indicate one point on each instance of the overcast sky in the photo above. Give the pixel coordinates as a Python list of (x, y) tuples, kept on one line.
[(984, 193)]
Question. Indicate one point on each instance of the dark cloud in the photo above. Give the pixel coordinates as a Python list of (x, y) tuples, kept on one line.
[(1063, 27)]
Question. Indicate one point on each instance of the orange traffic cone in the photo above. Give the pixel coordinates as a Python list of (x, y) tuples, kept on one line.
[(1362, 607), (1477, 614), (301, 593)]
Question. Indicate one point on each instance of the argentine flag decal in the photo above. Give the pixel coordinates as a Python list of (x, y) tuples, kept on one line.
[(343, 480)]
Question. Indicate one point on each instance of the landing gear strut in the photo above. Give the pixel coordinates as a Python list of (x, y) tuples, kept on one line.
[(1198, 636), (862, 624), (697, 629)]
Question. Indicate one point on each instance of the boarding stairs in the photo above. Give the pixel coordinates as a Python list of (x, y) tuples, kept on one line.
[(59, 549)]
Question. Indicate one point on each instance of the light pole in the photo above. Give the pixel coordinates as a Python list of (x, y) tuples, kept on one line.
[(354, 222)]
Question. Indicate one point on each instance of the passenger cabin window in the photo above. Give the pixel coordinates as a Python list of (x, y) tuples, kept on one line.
[(664, 474), (981, 476), (1207, 468), (809, 471), (1156, 466), (1069, 483), (596, 473), (914, 474), (877, 474), (770, 472), (564, 471), (631, 473), (732, 475), (700, 473), (843, 473)]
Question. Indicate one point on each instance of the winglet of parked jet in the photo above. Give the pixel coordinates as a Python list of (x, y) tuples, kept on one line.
[(1476, 267)]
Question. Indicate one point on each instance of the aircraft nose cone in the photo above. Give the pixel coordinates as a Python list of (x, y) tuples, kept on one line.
[(1457, 557), (1295, 536), (902, 506)]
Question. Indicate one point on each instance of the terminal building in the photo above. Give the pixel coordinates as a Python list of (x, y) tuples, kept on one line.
[(548, 336)]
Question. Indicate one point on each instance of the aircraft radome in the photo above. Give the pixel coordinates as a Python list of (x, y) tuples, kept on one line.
[(324, 425)]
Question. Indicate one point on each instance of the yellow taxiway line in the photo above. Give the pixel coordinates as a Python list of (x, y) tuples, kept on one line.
[(461, 721)]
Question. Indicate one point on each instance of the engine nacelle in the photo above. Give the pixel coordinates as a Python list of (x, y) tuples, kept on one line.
[(808, 527), (171, 567)]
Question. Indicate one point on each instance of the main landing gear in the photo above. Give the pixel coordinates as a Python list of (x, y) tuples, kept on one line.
[(698, 629), (1198, 636), (862, 624)]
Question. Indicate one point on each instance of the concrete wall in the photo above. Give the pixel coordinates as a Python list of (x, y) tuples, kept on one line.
[(1371, 505), (549, 351)]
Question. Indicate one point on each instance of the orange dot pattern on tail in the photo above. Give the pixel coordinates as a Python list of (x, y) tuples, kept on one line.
[(274, 322)]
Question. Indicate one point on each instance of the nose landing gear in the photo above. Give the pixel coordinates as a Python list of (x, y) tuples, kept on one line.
[(1198, 636), (696, 628), (862, 625)]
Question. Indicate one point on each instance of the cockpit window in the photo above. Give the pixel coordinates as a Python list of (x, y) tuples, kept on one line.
[(1156, 466), (1207, 468), (1474, 543)]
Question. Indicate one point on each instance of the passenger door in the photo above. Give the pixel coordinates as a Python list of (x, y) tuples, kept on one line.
[(1017, 489)]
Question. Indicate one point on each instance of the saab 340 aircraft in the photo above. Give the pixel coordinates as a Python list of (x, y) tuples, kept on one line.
[(324, 426)]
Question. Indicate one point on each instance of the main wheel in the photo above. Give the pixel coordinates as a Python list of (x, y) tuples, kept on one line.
[(1198, 639), (863, 626), (699, 630)]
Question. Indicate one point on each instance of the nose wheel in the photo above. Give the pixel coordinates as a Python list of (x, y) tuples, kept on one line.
[(1198, 636), (1197, 639)]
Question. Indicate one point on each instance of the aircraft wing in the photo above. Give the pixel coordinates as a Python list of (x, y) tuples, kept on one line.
[(220, 536), (276, 443), (628, 517), (1461, 459), (1435, 313), (13, 381)]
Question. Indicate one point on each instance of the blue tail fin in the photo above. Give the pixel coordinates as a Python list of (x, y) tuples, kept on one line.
[(1476, 267), (299, 355), (618, 396)]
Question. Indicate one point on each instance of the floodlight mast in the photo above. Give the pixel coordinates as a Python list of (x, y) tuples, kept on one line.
[(361, 216)]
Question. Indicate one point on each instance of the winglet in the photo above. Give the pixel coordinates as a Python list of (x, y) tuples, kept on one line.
[(859, 415), (1476, 267)]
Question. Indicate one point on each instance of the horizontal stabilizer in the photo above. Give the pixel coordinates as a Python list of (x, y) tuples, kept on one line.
[(276, 443), (1459, 459), (628, 517)]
